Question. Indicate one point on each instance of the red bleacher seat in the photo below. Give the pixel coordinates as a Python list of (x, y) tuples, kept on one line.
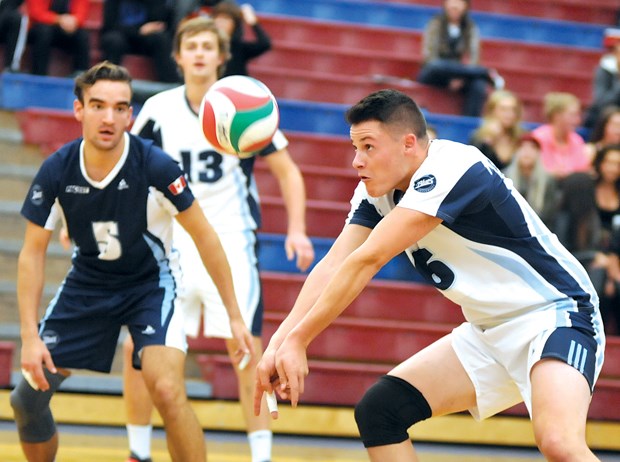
[(322, 183), (406, 44), (348, 50), (323, 218), (380, 299), (319, 149)]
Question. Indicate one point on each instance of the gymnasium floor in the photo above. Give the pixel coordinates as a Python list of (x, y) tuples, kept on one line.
[(108, 444)]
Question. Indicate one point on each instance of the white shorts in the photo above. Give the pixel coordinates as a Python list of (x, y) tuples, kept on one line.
[(499, 360), (200, 291)]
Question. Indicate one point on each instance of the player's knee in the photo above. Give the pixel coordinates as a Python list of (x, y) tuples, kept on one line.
[(33, 416), (168, 394), (557, 446), (388, 409)]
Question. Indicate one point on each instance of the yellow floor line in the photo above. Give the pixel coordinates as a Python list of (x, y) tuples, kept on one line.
[(217, 415)]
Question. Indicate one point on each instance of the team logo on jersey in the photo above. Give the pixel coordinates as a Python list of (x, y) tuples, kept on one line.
[(36, 195), (178, 185), (75, 189), (122, 184), (425, 184), (50, 338)]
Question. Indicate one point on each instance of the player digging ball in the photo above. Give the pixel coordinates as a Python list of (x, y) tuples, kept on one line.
[(533, 329)]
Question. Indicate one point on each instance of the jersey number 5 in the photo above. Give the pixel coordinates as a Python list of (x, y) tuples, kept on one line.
[(106, 235)]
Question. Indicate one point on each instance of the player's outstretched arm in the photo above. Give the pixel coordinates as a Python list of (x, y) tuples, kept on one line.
[(30, 281), (215, 261), (385, 242), (293, 190), (351, 237)]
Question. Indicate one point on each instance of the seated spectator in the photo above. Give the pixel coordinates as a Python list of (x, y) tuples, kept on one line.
[(499, 134), (13, 33), (230, 18), (140, 27), (562, 148), (610, 306), (606, 165), (607, 198), (530, 178), (451, 52), (578, 226), (58, 23), (606, 131), (606, 81)]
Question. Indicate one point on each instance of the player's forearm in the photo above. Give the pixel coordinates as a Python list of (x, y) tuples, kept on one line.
[(311, 290), (294, 194), (30, 281), (218, 268)]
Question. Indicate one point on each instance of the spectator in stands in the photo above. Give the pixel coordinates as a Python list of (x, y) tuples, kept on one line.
[(58, 23), (13, 33), (184, 9), (530, 178), (606, 165), (605, 131), (606, 81), (578, 225), (500, 132), (610, 307), (451, 52), (563, 149), (140, 27), (231, 19)]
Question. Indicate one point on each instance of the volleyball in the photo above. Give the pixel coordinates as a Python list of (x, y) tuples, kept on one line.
[(239, 115)]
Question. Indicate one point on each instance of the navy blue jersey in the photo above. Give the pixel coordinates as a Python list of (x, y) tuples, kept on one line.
[(121, 226)]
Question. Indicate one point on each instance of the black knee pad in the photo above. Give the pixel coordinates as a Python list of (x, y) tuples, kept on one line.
[(33, 415), (388, 409)]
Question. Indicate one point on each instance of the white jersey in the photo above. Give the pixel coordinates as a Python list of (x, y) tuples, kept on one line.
[(222, 183), (492, 255)]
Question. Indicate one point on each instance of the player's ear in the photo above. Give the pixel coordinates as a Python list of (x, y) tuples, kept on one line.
[(78, 110), (410, 141)]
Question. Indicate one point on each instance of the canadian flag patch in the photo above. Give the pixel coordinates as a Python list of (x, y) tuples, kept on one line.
[(177, 186)]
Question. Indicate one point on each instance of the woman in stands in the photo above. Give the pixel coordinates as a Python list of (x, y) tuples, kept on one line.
[(499, 134), (606, 131), (451, 51), (563, 149), (530, 178)]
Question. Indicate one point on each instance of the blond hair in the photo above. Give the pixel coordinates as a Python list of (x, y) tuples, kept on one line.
[(557, 102)]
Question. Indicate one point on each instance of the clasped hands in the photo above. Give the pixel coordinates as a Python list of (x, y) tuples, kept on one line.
[(282, 369)]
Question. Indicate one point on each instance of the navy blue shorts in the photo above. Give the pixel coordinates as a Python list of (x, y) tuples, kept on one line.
[(81, 327)]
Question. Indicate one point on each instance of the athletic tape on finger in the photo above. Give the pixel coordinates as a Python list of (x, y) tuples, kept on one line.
[(272, 404)]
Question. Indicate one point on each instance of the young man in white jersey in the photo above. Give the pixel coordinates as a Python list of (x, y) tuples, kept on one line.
[(225, 188), (117, 195), (533, 331)]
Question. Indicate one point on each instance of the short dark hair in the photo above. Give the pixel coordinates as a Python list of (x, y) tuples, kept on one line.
[(390, 107), (104, 70)]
